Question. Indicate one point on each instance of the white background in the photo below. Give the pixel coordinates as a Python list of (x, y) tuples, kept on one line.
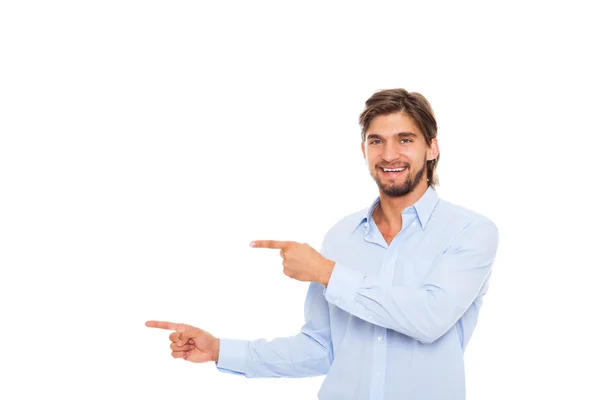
[(144, 144)]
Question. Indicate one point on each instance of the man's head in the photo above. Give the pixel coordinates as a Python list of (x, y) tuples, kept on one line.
[(399, 131)]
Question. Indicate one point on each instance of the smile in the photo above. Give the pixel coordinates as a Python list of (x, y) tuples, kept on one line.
[(392, 172)]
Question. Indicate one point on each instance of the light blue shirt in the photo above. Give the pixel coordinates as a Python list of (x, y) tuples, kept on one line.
[(394, 320)]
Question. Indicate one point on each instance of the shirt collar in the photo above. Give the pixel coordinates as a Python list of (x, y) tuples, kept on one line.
[(424, 208)]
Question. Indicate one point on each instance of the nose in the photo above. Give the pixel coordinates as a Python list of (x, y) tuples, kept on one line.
[(391, 152)]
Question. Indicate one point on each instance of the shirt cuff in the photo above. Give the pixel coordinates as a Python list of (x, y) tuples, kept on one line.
[(343, 287), (232, 356)]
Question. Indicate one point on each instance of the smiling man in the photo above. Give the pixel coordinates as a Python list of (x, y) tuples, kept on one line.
[(396, 288)]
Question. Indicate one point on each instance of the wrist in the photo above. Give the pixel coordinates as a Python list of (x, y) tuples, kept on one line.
[(326, 272), (216, 349)]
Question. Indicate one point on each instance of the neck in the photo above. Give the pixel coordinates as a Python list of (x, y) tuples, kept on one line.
[(389, 210)]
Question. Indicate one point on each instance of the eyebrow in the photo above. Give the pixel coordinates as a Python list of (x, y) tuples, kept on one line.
[(400, 134)]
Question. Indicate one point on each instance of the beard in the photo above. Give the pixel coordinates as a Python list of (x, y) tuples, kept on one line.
[(394, 189)]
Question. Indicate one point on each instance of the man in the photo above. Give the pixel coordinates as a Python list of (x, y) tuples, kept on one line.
[(396, 289)]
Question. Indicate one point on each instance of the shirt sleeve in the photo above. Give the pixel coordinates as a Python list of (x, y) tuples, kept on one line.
[(427, 312), (307, 354)]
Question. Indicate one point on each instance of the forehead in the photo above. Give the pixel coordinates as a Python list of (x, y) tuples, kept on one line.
[(391, 124)]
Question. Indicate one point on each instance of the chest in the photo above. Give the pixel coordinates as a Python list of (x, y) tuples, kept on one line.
[(410, 257)]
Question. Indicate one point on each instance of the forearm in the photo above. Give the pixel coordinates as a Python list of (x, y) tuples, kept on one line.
[(424, 313), (410, 311), (427, 311), (302, 355)]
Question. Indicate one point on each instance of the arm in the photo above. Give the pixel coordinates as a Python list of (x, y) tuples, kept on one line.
[(307, 354), (427, 312)]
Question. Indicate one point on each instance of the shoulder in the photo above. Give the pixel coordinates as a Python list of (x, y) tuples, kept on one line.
[(447, 213), (346, 225), (460, 222)]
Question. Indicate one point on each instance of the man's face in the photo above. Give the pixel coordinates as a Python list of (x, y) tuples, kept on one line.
[(394, 142)]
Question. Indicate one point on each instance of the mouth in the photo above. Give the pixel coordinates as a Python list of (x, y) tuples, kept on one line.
[(392, 172)]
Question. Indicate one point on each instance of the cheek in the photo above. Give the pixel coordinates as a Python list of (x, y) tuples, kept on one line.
[(372, 163), (413, 157)]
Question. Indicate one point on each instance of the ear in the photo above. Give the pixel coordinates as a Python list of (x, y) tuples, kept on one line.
[(433, 152), (362, 147)]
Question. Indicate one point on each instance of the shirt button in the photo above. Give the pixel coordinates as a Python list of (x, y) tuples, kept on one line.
[(337, 300), (378, 373), (380, 338), (370, 317), (414, 224)]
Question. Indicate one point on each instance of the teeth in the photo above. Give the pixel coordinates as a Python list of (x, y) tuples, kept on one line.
[(393, 170)]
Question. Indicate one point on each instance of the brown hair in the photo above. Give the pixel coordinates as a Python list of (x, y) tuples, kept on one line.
[(413, 104)]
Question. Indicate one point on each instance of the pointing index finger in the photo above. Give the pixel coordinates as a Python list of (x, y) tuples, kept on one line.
[(270, 244), (172, 326)]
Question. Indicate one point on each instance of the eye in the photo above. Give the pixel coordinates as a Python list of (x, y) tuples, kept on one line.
[(405, 140), (375, 141)]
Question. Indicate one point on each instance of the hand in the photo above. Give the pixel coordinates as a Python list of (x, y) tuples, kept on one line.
[(190, 343), (300, 261)]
